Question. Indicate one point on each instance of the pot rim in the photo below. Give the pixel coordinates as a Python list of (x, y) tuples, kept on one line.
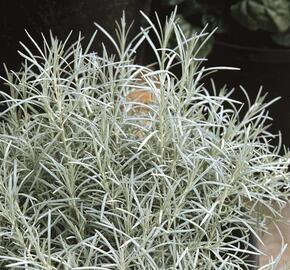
[(254, 54)]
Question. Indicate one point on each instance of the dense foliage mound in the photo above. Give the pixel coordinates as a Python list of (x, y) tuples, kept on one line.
[(90, 179)]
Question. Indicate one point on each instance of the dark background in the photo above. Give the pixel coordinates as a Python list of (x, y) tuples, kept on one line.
[(61, 16)]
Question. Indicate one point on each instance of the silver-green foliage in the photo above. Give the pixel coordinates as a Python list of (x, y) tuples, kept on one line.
[(80, 188)]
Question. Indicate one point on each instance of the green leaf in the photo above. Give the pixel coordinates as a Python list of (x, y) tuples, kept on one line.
[(282, 39), (268, 15), (172, 2)]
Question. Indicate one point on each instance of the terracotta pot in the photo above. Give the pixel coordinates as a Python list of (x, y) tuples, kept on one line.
[(273, 241)]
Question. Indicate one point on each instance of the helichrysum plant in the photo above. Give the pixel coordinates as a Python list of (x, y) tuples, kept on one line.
[(106, 164)]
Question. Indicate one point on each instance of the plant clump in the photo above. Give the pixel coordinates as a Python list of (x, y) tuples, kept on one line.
[(92, 179)]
